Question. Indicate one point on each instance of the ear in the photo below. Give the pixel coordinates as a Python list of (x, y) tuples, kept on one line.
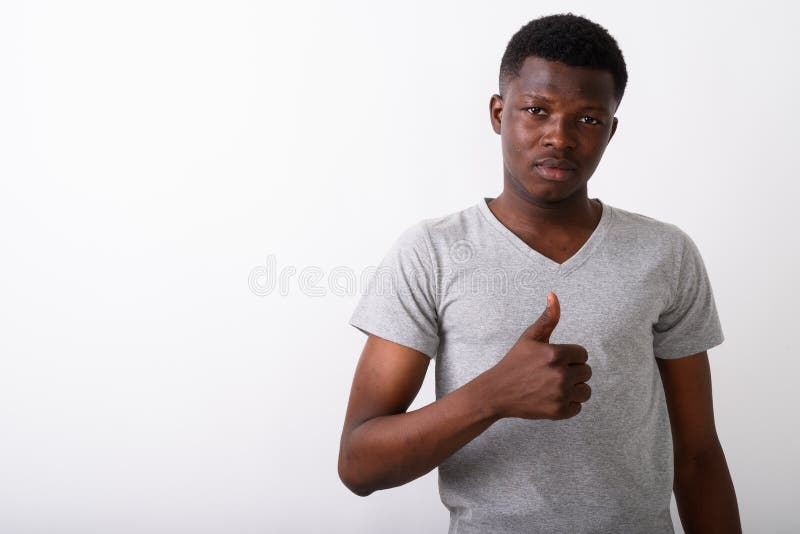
[(496, 112), (614, 124)]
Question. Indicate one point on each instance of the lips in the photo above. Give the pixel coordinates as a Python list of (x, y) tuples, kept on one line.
[(554, 163), (555, 169)]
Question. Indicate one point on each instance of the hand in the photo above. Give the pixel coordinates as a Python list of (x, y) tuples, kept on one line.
[(537, 379)]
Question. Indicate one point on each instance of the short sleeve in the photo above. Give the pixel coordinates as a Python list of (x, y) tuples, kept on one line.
[(690, 324), (399, 302)]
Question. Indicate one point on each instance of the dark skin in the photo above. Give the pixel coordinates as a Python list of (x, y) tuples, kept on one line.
[(703, 487), (565, 115), (552, 111)]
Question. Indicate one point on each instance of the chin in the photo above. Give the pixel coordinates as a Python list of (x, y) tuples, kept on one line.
[(536, 188), (546, 193), (549, 189)]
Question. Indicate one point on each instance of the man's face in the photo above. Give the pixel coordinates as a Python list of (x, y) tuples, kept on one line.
[(555, 122)]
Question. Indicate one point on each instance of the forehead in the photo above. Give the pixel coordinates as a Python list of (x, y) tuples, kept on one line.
[(558, 81)]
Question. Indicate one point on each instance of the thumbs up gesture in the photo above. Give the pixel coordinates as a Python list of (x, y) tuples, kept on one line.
[(537, 379)]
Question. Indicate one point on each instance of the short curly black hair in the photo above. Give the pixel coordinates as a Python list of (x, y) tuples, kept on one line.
[(569, 39)]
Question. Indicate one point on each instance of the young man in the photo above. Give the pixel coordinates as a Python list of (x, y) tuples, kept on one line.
[(629, 310)]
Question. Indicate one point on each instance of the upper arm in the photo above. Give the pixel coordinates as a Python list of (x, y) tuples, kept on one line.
[(387, 379), (687, 388)]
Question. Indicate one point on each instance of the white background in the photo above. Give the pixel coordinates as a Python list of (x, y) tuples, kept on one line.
[(154, 154)]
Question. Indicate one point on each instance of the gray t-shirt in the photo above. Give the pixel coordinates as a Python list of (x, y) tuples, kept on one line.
[(462, 288)]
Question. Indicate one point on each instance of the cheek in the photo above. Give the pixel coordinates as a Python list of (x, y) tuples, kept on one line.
[(596, 150), (591, 145), (517, 140), (511, 146), (592, 161)]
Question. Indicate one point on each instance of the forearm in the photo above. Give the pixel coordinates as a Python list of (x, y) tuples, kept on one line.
[(705, 495), (392, 450)]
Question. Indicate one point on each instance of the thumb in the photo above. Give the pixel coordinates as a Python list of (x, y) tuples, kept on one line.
[(547, 321)]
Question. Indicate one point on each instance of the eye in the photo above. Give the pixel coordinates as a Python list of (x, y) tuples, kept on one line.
[(590, 120), (534, 110)]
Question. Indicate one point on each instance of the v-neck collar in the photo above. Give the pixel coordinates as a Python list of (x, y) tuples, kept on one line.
[(542, 261)]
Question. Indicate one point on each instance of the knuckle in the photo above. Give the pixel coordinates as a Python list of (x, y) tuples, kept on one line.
[(561, 378), (550, 351), (558, 410)]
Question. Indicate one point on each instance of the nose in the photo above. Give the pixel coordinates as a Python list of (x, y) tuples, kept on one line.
[(558, 134)]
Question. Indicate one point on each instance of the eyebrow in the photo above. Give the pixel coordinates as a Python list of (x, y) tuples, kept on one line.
[(535, 96)]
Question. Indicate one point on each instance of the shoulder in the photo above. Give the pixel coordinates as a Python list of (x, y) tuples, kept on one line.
[(429, 244), (433, 232), (634, 221), (649, 233), (662, 245)]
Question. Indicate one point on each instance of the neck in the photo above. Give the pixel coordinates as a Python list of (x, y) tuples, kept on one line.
[(533, 216)]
